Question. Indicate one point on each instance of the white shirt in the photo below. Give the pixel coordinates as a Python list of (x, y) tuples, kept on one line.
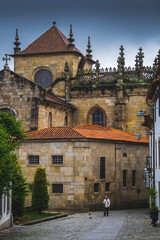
[(106, 203)]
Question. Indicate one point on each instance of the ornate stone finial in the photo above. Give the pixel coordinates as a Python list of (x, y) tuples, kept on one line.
[(66, 68), (71, 39), (17, 43), (97, 66), (6, 59), (140, 56), (137, 63), (89, 50), (54, 23), (121, 62)]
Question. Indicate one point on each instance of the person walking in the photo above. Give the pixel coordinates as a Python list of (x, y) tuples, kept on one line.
[(107, 204)]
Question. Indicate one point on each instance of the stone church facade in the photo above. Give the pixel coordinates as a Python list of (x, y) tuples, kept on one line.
[(54, 85)]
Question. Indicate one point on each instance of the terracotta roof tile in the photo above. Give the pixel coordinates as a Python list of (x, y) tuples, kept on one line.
[(52, 41), (107, 133), (54, 133), (86, 131)]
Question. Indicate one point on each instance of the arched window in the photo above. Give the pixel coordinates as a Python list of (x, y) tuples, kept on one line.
[(97, 118), (7, 110), (50, 120), (97, 115), (43, 77)]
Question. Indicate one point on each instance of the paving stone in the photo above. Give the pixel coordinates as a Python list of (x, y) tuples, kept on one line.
[(119, 225)]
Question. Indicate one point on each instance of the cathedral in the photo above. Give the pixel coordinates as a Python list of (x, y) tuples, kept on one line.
[(80, 119)]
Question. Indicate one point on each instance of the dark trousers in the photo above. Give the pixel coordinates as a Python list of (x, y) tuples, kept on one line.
[(106, 210)]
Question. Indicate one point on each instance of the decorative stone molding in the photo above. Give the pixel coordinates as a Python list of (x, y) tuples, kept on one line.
[(92, 110)]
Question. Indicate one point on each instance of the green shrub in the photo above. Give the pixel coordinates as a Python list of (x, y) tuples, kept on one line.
[(40, 197), (19, 192)]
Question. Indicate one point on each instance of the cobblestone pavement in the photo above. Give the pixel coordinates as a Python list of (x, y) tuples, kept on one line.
[(120, 225)]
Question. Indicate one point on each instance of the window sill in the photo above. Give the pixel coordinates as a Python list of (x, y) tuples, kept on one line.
[(124, 188), (56, 165), (33, 165), (56, 194), (108, 192), (96, 193)]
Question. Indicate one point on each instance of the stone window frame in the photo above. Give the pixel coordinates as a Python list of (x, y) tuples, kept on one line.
[(107, 186), (134, 173), (33, 164), (60, 189), (43, 68), (91, 112), (9, 107), (50, 119), (98, 188), (102, 171), (57, 164)]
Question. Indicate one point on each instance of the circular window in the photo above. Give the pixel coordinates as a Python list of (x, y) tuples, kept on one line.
[(43, 77)]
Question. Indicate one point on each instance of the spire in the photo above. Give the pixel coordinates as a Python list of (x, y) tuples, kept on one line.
[(140, 56), (89, 50), (71, 39), (121, 62), (17, 43), (66, 68)]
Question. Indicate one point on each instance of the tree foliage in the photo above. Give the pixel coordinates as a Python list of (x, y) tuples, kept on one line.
[(11, 176), (10, 136), (40, 196)]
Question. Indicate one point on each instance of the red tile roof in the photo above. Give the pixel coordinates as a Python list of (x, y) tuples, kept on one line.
[(52, 41), (107, 133), (54, 133), (85, 132)]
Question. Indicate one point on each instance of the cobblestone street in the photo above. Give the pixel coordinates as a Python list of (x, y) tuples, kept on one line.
[(119, 225)]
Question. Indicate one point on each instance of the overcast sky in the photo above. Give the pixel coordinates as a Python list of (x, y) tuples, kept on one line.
[(109, 23)]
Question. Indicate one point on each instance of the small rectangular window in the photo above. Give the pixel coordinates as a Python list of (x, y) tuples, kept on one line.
[(96, 187), (124, 178), (33, 159), (57, 188), (107, 186), (57, 159), (102, 167), (133, 177), (124, 154)]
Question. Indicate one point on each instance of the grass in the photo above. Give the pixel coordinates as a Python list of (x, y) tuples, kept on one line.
[(30, 216)]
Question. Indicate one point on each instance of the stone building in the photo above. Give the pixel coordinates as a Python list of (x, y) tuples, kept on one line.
[(85, 163), (108, 97), (54, 85)]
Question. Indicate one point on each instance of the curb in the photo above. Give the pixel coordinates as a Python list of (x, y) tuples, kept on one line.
[(43, 220)]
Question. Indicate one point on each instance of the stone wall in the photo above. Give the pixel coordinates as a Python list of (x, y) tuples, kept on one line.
[(18, 94), (28, 65), (58, 117), (126, 120), (81, 170)]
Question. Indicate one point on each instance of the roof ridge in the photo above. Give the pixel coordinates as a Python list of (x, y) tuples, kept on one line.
[(61, 35), (36, 39)]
